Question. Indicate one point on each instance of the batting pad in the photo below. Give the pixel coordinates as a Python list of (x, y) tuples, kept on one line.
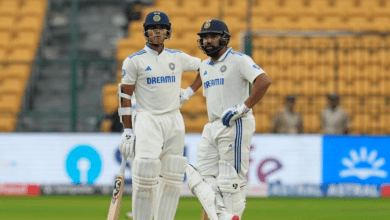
[(230, 187), (145, 179), (170, 182), (203, 191)]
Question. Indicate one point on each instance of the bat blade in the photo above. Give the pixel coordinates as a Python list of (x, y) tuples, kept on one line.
[(204, 215), (116, 199)]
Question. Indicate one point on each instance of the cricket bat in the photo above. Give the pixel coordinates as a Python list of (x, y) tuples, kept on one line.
[(204, 215), (115, 205)]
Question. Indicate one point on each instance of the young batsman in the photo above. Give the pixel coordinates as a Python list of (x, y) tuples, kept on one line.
[(154, 74), (223, 154)]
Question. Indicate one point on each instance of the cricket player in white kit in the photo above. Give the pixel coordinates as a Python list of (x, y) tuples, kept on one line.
[(154, 74), (223, 154)]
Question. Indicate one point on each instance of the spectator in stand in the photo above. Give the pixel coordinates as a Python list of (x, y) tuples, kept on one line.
[(287, 120), (334, 119)]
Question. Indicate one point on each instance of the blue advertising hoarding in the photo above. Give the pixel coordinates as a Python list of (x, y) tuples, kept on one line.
[(356, 159)]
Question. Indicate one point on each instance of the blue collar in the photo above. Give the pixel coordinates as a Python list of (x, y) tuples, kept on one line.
[(149, 49), (223, 57)]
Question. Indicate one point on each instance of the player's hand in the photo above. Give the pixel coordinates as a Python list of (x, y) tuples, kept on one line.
[(127, 144), (185, 95), (233, 113)]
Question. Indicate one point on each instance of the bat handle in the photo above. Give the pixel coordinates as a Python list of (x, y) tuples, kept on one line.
[(123, 166)]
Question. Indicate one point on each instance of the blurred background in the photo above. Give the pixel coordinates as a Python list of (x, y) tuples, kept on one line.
[(61, 59), (321, 129)]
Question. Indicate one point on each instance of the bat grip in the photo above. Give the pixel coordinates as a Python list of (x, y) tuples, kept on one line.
[(123, 166)]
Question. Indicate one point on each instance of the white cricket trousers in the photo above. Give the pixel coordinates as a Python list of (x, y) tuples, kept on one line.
[(231, 144), (158, 135)]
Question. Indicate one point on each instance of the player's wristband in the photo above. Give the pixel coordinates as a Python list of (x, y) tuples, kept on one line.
[(128, 130), (190, 91)]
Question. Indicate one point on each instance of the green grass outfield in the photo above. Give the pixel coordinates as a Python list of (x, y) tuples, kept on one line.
[(96, 207)]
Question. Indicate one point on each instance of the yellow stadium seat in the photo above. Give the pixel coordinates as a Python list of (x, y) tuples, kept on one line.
[(119, 75), (5, 37), (350, 103), (311, 123), (284, 22), (30, 23), (136, 27), (189, 77), (345, 88), (21, 55), (199, 53), (192, 39), (110, 98), (334, 22), (195, 124), (210, 9), (347, 73), (3, 55), (361, 87), (123, 53), (231, 8), (262, 22), (323, 73), (325, 87), (33, 9), (306, 22), (346, 42), (359, 23), (7, 122), (351, 8), (10, 7), (106, 125), (110, 103), (183, 24), (147, 10), (129, 46), (263, 123), (38, 3), (179, 44), (197, 104), (7, 23), (235, 25), (360, 123), (347, 57), (12, 86), (21, 72), (267, 8), (10, 103), (385, 118), (25, 39)]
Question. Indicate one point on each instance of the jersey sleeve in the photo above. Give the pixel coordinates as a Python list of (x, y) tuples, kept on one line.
[(249, 69), (190, 63), (129, 72)]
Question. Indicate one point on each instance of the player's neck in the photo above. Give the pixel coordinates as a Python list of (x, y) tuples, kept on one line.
[(158, 47), (220, 53)]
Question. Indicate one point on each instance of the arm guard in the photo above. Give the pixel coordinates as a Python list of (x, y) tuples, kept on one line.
[(123, 110)]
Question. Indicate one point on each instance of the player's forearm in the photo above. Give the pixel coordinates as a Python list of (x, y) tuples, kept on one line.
[(197, 83), (260, 86), (126, 118)]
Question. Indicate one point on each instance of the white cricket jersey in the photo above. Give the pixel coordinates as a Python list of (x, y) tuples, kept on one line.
[(227, 82), (157, 77)]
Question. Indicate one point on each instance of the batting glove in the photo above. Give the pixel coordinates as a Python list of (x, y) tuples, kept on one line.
[(233, 114), (127, 143), (185, 95)]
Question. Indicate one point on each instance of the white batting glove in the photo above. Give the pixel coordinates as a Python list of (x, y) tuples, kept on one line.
[(127, 143), (233, 114), (185, 95)]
